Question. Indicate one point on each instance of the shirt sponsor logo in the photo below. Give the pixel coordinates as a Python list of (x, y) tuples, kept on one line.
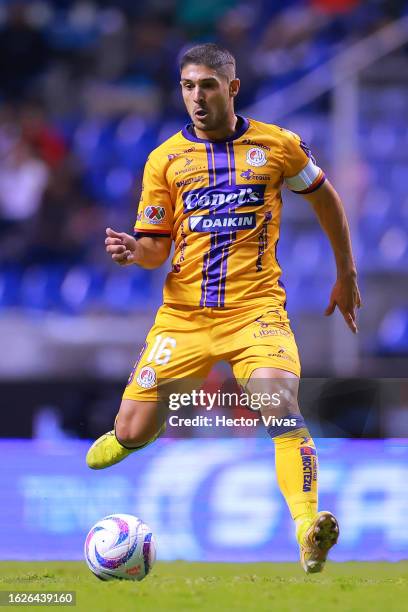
[(263, 241), (146, 377), (190, 169), (270, 327), (275, 315), (154, 214), (274, 331), (256, 157), (188, 181), (222, 222), (171, 156), (253, 143), (224, 198), (282, 354), (132, 374), (306, 149), (251, 175)]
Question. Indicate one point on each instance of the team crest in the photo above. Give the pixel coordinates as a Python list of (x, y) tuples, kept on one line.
[(256, 157), (146, 377), (154, 214)]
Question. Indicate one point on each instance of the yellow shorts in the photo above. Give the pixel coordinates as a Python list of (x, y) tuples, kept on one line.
[(184, 343)]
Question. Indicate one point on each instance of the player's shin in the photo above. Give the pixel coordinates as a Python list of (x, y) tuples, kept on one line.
[(296, 469)]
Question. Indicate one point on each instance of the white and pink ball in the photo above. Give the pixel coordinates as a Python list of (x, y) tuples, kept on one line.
[(120, 546)]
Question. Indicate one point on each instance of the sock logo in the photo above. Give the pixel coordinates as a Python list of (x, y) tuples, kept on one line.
[(307, 450), (309, 462)]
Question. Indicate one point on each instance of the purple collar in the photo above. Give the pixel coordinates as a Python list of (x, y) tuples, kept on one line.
[(237, 134)]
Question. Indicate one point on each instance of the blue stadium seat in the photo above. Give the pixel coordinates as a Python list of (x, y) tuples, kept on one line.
[(40, 287), (81, 288), (118, 183), (9, 286), (308, 294), (393, 332), (126, 290), (133, 139), (393, 248)]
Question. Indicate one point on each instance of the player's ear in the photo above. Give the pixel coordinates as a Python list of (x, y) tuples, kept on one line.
[(234, 87)]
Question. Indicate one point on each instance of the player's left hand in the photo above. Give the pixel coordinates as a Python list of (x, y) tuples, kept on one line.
[(346, 296)]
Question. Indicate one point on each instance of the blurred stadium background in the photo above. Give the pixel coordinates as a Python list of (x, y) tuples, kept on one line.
[(87, 90)]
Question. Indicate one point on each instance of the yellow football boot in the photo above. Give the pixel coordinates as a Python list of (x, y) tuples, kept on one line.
[(107, 451), (316, 536)]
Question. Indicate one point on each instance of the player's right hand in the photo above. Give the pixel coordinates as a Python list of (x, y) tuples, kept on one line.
[(346, 296), (120, 246)]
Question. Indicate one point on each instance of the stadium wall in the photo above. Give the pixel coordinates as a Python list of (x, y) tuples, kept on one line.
[(206, 500)]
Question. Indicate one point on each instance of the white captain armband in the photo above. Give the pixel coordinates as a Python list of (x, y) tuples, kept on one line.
[(307, 180)]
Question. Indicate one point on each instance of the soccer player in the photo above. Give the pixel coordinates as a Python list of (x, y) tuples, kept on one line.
[(215, 190)]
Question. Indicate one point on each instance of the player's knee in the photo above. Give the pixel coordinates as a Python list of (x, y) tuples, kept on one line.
[(279, 390), (135, 433), (288, 402)]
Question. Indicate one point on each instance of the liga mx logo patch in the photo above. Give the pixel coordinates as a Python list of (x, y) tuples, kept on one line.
[(154, 214)]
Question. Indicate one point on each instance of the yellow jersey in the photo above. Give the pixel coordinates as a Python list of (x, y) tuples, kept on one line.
[(221, 204)]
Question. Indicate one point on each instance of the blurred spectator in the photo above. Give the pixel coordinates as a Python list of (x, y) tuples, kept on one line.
[(68, 224), (235, 29), (151, 57), (335, 6), (111, 53), (287, 45), (9, 129), (23, 179), (41, 135), (200, 18), (24, 52)]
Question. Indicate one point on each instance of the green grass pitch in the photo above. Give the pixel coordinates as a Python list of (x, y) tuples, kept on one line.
[(215, 587)]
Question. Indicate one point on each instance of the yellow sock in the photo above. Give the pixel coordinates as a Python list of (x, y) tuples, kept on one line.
[(296, 471)]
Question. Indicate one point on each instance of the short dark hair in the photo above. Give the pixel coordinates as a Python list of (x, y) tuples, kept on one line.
[(211, 55)]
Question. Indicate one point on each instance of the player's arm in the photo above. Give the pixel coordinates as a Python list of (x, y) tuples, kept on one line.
[(329, 210), (151, 245), (304, 177), (148, 251)]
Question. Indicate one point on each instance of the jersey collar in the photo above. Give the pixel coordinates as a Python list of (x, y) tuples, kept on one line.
[(237, 134)]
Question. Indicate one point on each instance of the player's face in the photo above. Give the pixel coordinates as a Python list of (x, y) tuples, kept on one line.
[(208, 96)]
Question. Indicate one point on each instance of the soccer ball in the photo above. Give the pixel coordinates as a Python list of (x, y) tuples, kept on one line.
[(120, 546)]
